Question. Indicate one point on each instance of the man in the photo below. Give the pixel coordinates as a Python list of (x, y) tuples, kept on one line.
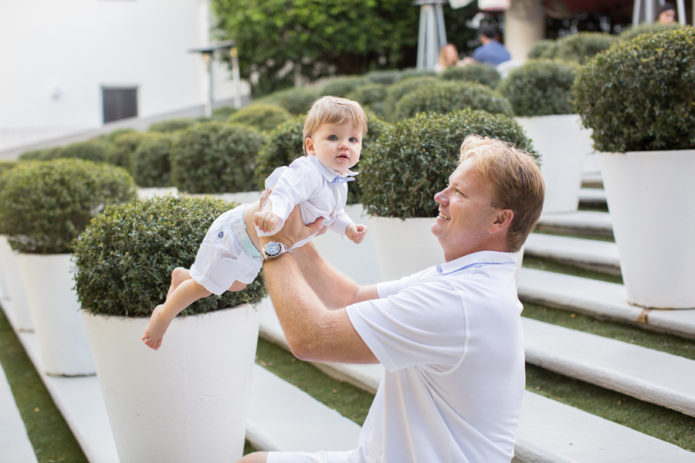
[(491, 51), (449, 337)]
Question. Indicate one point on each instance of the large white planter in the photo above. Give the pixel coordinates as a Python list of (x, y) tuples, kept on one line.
[(651, 198), (185, 402), (404, 246), (156, 192), (357, 261), (563, 145), (244, 197), (56, 314), (15, 298)]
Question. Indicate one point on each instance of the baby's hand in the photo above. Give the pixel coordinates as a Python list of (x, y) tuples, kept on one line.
[(356, 232), (266, 221)]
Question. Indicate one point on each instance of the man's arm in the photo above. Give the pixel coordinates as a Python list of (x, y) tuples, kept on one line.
[(313, 331)]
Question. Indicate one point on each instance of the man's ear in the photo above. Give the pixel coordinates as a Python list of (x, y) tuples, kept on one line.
[(502, 220)]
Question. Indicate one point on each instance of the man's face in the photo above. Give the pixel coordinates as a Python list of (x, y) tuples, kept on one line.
[(465, 212)]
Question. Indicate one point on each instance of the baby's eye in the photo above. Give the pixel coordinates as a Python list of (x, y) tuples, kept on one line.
[(353, 140), (333, 137)]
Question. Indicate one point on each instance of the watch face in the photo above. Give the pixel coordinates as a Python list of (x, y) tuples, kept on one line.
[(272, 248)]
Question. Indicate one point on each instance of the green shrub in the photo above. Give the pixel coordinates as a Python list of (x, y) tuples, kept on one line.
[(125, 256), (579, 47), (151, 162), (216, 157), (172, 125), (46, 204), (223, 112), (447, 96), (296, 100), (122, 147), (540, 48), (342, 85), (409, 73), (370, 96), (386, 76), (638, 95), (413, 160), (5, 165), (111, 136), (264, 117), (285, 144), (645, 28), (90, 150), (540, 87), (475, 72), (43, 154), (403, 87)]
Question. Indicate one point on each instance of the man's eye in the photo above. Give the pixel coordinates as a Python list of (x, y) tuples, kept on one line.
[(333, 137)]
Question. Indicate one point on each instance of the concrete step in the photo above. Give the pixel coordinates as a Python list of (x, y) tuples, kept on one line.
[(649, 375), (14, 441), (601, 256), (592, 196), (601, 300), (549, 431), (592, 223)]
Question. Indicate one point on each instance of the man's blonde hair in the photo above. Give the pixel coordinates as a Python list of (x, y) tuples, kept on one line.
[(516, 181), (334, 110)]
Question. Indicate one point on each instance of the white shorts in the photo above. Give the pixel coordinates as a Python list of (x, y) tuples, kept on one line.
[(226, 254), (349, 456)]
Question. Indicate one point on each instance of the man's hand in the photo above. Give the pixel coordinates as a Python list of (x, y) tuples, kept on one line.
[(356, 232), (294, 230)]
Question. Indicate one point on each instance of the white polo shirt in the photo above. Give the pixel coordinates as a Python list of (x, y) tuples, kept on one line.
[(319, 191), (451, 342)]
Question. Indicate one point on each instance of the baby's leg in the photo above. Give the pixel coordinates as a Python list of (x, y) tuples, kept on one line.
[(178, 276), (237, 286), (186, 293)]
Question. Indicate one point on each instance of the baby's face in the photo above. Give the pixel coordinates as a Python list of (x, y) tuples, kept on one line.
[(337, 146)]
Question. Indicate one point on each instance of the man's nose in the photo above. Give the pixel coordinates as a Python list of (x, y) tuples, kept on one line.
[(440, 197)]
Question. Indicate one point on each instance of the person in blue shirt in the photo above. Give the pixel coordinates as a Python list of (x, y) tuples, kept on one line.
[(491, 51)]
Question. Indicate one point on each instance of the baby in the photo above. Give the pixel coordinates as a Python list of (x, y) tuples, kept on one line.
[(229, 257)]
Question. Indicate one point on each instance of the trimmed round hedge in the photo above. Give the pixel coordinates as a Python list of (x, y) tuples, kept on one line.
[(447, 96), (539, 48), (579, 47), (384, 76), (45, 205), (540, 87), (285, 144), (413, 160), (296, 100), (370, 96), (125, 256), (43, 154), (403, 87), (122, 147), (409, 73), (151, 161), (474, 72), (215, 157), (265, 117), (646, 28), (342, 85), (94, 150), (638, 95), (172, 125)]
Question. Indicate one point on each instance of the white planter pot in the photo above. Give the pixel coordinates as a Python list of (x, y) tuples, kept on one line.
[(650, 197), (563, 145), (357, 261), (154, 192), (56, 314), (404, 246), (244, 197), (185, 402), (16, 299)]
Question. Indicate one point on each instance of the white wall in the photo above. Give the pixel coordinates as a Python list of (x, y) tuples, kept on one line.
[(56, 55)]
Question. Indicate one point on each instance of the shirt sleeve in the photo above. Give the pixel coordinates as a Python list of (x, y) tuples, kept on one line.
[(342, 220), (424, 324), (294, 184)]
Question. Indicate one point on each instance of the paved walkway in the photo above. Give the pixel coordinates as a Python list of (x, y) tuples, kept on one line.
[(14, 441)]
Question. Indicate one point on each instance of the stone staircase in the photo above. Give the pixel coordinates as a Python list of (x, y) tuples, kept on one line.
[(283, 417)]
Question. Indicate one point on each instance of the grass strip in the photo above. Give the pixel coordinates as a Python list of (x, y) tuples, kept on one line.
[(631, 334), (48, 432), (348, 400), (662, 423), (588, 234), (547, 265)]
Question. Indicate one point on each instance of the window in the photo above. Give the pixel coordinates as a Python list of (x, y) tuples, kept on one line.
[(119, 103)]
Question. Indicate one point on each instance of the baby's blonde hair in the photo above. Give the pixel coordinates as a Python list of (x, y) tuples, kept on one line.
[(333, 110)]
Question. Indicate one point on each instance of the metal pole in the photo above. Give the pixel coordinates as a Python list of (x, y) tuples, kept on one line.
[(421, 39), (236, 76), (208, 107), (636, 12), (649, 11), (431, 47), (440, 24), (681, 12)]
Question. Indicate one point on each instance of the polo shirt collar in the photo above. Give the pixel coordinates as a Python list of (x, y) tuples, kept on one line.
[(480, 257), (329, 174)]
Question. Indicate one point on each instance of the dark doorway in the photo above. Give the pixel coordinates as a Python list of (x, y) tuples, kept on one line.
[(119, 103)]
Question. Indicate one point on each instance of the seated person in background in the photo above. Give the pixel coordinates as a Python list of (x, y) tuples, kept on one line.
[(448, 57), (491, 51), (666, 14)]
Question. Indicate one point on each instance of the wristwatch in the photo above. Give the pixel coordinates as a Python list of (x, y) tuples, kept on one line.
[(273, 250)]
